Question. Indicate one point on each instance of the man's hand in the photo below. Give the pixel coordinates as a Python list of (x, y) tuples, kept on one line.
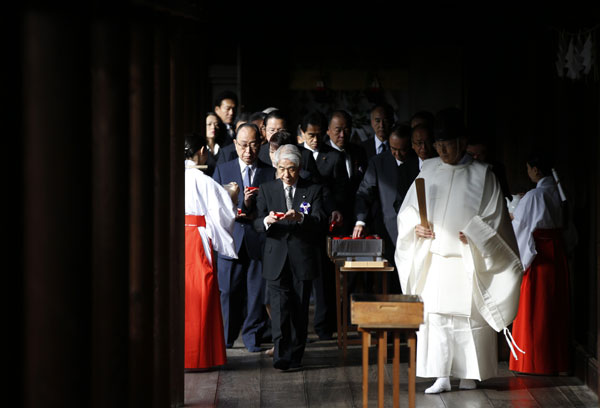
[(423, 232), (463, 238), (249, 195), (292, 215), (336, 217), (359, 231), (271, 218)]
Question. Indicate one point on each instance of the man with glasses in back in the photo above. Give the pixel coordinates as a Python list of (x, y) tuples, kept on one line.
[(240, 280)]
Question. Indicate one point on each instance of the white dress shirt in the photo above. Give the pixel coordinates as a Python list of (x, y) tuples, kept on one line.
[(243, 170), (379, 143), (314, 152), (347, 156)]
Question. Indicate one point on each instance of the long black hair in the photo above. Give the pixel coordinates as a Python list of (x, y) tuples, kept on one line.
[(193, 142)]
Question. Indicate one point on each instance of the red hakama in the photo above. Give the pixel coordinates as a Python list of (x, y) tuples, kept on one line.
[(204, 335), (541, 327)]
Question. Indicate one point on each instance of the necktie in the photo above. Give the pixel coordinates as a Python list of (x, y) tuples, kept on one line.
[(230, 132), (381, 148), (288, 197), (247, 176)]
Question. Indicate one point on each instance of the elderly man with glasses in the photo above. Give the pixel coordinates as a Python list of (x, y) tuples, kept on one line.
[(240, 280)]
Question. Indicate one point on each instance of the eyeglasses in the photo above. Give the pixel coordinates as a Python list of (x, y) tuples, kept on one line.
[(251, 145)]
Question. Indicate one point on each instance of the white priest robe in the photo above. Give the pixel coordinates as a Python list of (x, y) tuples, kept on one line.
[(538, 209), (468, 290), (204, 196)]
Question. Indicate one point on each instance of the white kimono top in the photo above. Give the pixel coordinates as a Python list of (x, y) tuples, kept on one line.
[(464, 197), (204, 196), (539, 208)]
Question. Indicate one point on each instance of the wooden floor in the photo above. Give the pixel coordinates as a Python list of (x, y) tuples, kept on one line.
[(326, 380)]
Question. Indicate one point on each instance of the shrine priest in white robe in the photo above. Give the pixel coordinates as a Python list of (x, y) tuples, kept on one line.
[(465, 265)]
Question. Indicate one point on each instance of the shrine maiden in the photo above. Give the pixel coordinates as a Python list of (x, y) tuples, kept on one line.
[(209, 220), (542, 324)]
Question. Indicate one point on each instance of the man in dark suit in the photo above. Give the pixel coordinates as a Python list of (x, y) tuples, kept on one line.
[(291, 255), (226, 107), (273, 122), (334, 180), (422, 143), (228, 152), (382, 121), (240, 279), (339, 131), (381, 187)]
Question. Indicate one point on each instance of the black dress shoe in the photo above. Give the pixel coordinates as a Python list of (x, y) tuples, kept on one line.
[(325, 336), (281, 365)]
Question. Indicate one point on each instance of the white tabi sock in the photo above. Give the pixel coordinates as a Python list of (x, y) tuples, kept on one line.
[(466, 384), (440, 385)]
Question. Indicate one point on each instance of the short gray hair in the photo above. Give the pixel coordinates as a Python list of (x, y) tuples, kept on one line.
[(287, 152)]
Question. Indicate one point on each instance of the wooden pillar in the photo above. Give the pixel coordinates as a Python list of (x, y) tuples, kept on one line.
[(141, 209), (598, 243), (177, 219), (162, 219), (56, 199), (110, 212)]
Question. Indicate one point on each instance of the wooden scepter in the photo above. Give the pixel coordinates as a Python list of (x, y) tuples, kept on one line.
[(420, 185)]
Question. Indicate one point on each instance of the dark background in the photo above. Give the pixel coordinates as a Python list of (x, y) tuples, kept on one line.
[(106, 90)]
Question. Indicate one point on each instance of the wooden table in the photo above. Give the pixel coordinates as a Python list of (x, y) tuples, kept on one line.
[(341, 294), (380, 314)]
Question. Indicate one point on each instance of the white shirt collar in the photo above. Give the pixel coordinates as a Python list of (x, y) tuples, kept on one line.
[(244, 165), (309, 148), (335, 146), (293, 186), (378, 143), (399, 162)]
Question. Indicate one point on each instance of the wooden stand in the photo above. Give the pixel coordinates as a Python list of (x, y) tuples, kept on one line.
[(380, 314), (341, 293)]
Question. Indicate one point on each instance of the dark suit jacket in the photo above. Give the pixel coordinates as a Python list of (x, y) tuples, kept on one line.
[(369, 147), (334, 177), (227, 153), (358, 160), (243, 232), (408, 172), (380, 186), (291, 240)]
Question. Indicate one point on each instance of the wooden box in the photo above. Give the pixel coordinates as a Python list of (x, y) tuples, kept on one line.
[(387, 311)]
